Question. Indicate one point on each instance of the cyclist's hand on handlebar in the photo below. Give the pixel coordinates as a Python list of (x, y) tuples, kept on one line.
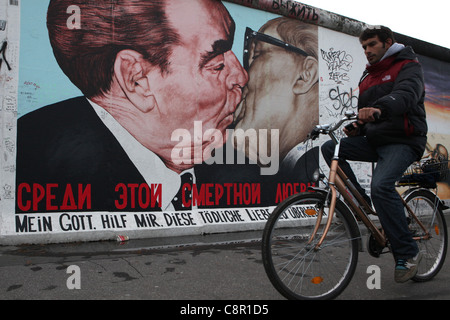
[(369, 114)]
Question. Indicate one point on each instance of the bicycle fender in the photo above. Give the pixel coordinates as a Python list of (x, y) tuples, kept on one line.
[(318, 190), (408, 192)]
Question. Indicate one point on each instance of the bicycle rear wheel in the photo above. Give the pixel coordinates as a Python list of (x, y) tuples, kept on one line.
[(295, 268), (426, 207)]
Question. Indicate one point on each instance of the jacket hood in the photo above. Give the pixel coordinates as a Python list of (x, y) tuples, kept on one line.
[(407, 53), (394, 49)]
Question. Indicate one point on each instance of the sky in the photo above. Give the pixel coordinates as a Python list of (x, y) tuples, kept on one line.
[(424, 20)]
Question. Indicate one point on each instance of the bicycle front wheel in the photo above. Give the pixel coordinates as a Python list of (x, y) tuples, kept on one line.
[(296, 268), (433, 245)]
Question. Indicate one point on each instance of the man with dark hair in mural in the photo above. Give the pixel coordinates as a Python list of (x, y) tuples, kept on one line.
[(282, 94), (147, 69), (391, 131)]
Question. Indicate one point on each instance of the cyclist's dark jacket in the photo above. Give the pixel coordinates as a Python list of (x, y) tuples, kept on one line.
[(396, 86)]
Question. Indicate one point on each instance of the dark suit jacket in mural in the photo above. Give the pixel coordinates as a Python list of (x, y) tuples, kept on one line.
[(67, 143)]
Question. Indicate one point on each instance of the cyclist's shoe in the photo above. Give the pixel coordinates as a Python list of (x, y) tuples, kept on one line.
[(406, 269)]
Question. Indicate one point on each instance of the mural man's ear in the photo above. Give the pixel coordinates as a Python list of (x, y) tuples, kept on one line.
[(129, 71), (307, 76)]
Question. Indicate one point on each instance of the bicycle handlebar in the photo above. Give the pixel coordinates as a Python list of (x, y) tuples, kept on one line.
[(330, 128)]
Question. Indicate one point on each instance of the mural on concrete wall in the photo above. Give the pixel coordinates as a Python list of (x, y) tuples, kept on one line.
[(110, 148), (437, 103), (197, 124)]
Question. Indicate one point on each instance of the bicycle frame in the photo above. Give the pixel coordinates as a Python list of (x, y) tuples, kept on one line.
[(339, 182)]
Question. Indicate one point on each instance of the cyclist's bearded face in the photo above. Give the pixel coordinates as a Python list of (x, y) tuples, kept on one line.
[(375, 49)]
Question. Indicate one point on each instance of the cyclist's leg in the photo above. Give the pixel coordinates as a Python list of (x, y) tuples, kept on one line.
[(392, 163), (352, 149)]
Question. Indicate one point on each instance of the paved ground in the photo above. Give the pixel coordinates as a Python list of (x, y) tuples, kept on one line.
[(221, 267)]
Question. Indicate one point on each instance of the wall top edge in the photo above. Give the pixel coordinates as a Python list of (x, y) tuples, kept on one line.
[(297, 10)]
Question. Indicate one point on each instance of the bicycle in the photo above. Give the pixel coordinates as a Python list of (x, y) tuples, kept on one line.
[(311, 241)]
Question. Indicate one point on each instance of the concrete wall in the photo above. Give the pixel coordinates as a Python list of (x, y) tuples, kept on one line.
[(59, 181)]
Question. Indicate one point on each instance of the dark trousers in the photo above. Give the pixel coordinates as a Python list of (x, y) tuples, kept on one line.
[(392, 161)]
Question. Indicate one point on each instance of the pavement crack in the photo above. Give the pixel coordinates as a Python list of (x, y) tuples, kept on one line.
[(98, 264), (131, 265)]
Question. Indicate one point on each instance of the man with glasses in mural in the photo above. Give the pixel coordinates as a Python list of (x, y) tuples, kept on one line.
[(282, 93), (146, 69), (391, 131)]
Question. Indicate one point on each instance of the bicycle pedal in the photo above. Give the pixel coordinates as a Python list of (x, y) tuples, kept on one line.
[(374, 248)]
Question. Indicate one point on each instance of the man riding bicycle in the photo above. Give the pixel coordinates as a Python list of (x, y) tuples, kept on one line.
[(391, 131)]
